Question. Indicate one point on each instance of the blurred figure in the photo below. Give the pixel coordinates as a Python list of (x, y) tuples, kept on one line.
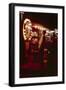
[(27, 35), (34, 45), (42, 46), (52, 57)]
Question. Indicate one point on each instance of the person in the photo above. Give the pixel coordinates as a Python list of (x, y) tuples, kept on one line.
[(34, 46), (42, 46), (52, 57), (27, 35)]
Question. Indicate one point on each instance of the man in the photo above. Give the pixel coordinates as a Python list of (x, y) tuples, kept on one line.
[(34, 46), (42, 46)]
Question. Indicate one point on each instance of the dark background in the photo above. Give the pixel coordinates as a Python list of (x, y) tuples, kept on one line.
[(48, 20)]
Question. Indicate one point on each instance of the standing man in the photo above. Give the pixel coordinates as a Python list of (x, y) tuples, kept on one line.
[(41, 46)]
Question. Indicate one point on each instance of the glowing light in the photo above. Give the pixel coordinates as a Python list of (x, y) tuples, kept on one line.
[(27, 27), (28, 31), (39, 27)]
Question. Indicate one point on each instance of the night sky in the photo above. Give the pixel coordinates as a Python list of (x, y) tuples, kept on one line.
[(49, 20)]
